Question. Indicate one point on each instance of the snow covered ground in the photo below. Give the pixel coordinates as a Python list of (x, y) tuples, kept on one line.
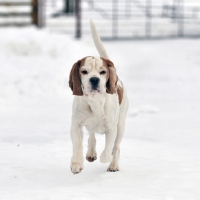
[(160, 155)]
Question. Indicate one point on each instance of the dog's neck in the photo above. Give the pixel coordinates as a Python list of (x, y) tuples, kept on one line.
[(96, 103)]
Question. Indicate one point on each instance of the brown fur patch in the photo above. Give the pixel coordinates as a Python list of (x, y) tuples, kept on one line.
[(120, 93), (111, 76), (74, 78)]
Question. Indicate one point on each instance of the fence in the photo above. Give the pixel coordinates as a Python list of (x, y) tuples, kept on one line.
[(128, 19), (115, 19), (144, 19), (21, 13)]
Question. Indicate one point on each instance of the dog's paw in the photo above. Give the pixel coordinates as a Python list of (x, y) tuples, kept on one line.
[(113, 167), (76, 164), (105, 158), (76, 167), (91, 156)]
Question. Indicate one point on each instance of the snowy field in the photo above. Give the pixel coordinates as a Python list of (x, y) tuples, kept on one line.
[(160, 155)]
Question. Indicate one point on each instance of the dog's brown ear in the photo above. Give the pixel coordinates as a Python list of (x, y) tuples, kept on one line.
[(74, 79), (112, 79)]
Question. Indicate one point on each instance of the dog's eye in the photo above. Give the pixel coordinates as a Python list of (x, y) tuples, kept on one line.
[(84, 72), (103, 72)]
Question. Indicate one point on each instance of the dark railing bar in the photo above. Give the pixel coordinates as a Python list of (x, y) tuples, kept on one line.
[(15, 3), (15, 24), (148, 19), (180, 19), (125, 38), (78, 19), (115, 19), (20, 14)]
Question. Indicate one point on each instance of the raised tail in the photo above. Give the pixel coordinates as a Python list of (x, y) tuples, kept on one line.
[(97, 41)]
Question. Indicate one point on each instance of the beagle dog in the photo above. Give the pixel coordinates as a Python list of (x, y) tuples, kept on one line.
[(100, 105)]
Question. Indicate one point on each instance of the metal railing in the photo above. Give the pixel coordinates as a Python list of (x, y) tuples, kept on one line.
[(132, 19)]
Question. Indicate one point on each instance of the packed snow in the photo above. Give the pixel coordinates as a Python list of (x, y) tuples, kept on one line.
[(160, 151)]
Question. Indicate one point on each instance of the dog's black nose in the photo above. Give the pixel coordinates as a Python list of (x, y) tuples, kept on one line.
[(94, 82)]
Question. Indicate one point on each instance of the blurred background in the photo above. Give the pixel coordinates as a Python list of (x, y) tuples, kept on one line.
[(115, 19), (155, 47)]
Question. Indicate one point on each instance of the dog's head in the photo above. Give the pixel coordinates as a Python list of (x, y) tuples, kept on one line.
[(93, 75)]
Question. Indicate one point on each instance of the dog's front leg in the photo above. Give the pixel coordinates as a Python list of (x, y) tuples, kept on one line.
[(106, 155), (77, 157), (91, 153)]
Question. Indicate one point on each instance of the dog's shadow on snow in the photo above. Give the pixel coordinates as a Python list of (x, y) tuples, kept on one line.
[(92, 172)]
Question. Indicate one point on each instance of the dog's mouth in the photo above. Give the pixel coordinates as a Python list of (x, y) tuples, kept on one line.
[(89, 90), (95, 91)]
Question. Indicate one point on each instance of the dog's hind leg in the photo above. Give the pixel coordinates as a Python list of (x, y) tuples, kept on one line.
[(114, 165), (106, 155), (91, 153)]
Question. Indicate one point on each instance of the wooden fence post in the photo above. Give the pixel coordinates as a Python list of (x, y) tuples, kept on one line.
[(37, 14), (34, 14)]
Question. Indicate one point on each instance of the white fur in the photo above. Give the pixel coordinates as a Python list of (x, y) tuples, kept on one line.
[(97, 41), (99, 112)]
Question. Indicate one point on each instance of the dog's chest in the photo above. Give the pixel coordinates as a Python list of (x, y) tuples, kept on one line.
[(101, 114), (95, 124), (97, 120)]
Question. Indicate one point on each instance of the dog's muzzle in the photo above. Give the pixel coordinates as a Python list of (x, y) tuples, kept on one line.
[(94, 82)]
